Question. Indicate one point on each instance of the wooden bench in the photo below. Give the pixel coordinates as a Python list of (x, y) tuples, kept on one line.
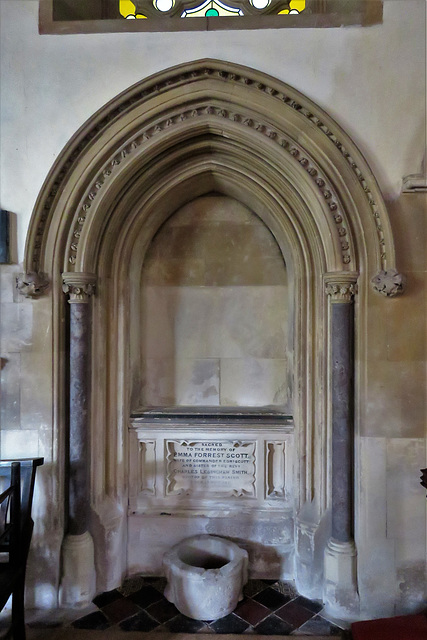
[(16, 527)]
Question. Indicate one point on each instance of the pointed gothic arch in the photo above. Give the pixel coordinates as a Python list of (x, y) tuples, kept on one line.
[(197, 128)]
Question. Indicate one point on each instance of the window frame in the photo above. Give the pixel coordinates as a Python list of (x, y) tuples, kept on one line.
[(318, 14)]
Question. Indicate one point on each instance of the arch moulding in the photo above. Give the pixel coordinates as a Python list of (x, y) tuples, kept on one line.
[(206, 126)]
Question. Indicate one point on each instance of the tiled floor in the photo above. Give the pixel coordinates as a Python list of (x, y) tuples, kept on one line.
[(269, 608)]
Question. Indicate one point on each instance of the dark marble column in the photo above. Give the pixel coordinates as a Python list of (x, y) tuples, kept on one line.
[(79, 400), (342, 420), (340, 589), (78, 582), (342, 378), (80, 288)]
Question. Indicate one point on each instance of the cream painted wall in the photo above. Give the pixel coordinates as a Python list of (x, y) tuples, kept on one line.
[(372, 80)]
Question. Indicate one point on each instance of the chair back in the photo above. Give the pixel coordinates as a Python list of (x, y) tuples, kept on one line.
[(10, 511), (16, 524)]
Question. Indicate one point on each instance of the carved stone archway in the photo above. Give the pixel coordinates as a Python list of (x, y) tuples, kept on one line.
[(190, 130)]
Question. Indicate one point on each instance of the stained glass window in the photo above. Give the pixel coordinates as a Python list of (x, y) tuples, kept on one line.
[(140, 9), (130, 16)]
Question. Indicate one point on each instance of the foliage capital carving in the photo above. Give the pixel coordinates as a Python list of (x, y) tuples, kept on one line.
[(79, 286), (389, 283), (341, 287), (32, 284)]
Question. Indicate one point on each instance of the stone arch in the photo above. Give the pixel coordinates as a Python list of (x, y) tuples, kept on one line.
[(190, 130), (215, 96)]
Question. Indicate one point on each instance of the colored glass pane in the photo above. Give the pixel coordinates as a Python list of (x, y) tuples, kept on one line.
[(260, 4), (295, 6), (130, 9), (214, 7), (163, 5), (127, 9)]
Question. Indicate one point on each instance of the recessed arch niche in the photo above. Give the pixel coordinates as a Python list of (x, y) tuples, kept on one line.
[(200, 128), (211, 312)]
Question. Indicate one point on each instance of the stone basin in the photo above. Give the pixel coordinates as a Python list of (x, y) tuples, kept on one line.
[(205, 575)]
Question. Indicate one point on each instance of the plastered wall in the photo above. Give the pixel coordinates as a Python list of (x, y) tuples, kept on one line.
[(372, 81)]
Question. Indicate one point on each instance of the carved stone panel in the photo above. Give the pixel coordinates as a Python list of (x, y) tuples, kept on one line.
[(146, 467), (275, 469), (211, 468)]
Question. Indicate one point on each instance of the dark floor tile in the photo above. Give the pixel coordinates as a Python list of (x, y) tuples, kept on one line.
[(318, 626), (253, 586), (294, 614), (273, 626), (182, 624), (251, 611), (145, 596), (105, 598), (154, 580), (287, 588), (140, 622), (120, 610), (315, 607), (45, 624), (130, 585), (95, 620), (157, 583), (5, 622), (249, 631), (271, 598), (229, 624), (161, 629), (162, 610)]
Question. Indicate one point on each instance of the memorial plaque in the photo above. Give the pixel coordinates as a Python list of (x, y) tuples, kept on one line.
[(215, 467)]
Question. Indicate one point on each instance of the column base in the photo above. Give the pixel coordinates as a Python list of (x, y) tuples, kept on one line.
[(78, 581), (340, 593), (311, 537)]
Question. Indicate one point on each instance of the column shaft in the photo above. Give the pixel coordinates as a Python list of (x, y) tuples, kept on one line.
[(78, 580), (79, 417), (342, 421), (340, 594)]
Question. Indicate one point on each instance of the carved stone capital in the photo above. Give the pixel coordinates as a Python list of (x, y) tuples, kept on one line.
[(389, 283), (341, 287), (79, 286), (32, 284)]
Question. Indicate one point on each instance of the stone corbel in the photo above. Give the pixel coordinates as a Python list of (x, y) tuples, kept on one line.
[(389, 283), (32, 284), (79, 286), (415, 183)]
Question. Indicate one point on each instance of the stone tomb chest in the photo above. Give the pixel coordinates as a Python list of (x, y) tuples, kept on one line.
[(226, 472)]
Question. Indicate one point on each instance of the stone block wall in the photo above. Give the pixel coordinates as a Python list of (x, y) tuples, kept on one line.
[(215, 311), (26, 410), (391, 448)]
